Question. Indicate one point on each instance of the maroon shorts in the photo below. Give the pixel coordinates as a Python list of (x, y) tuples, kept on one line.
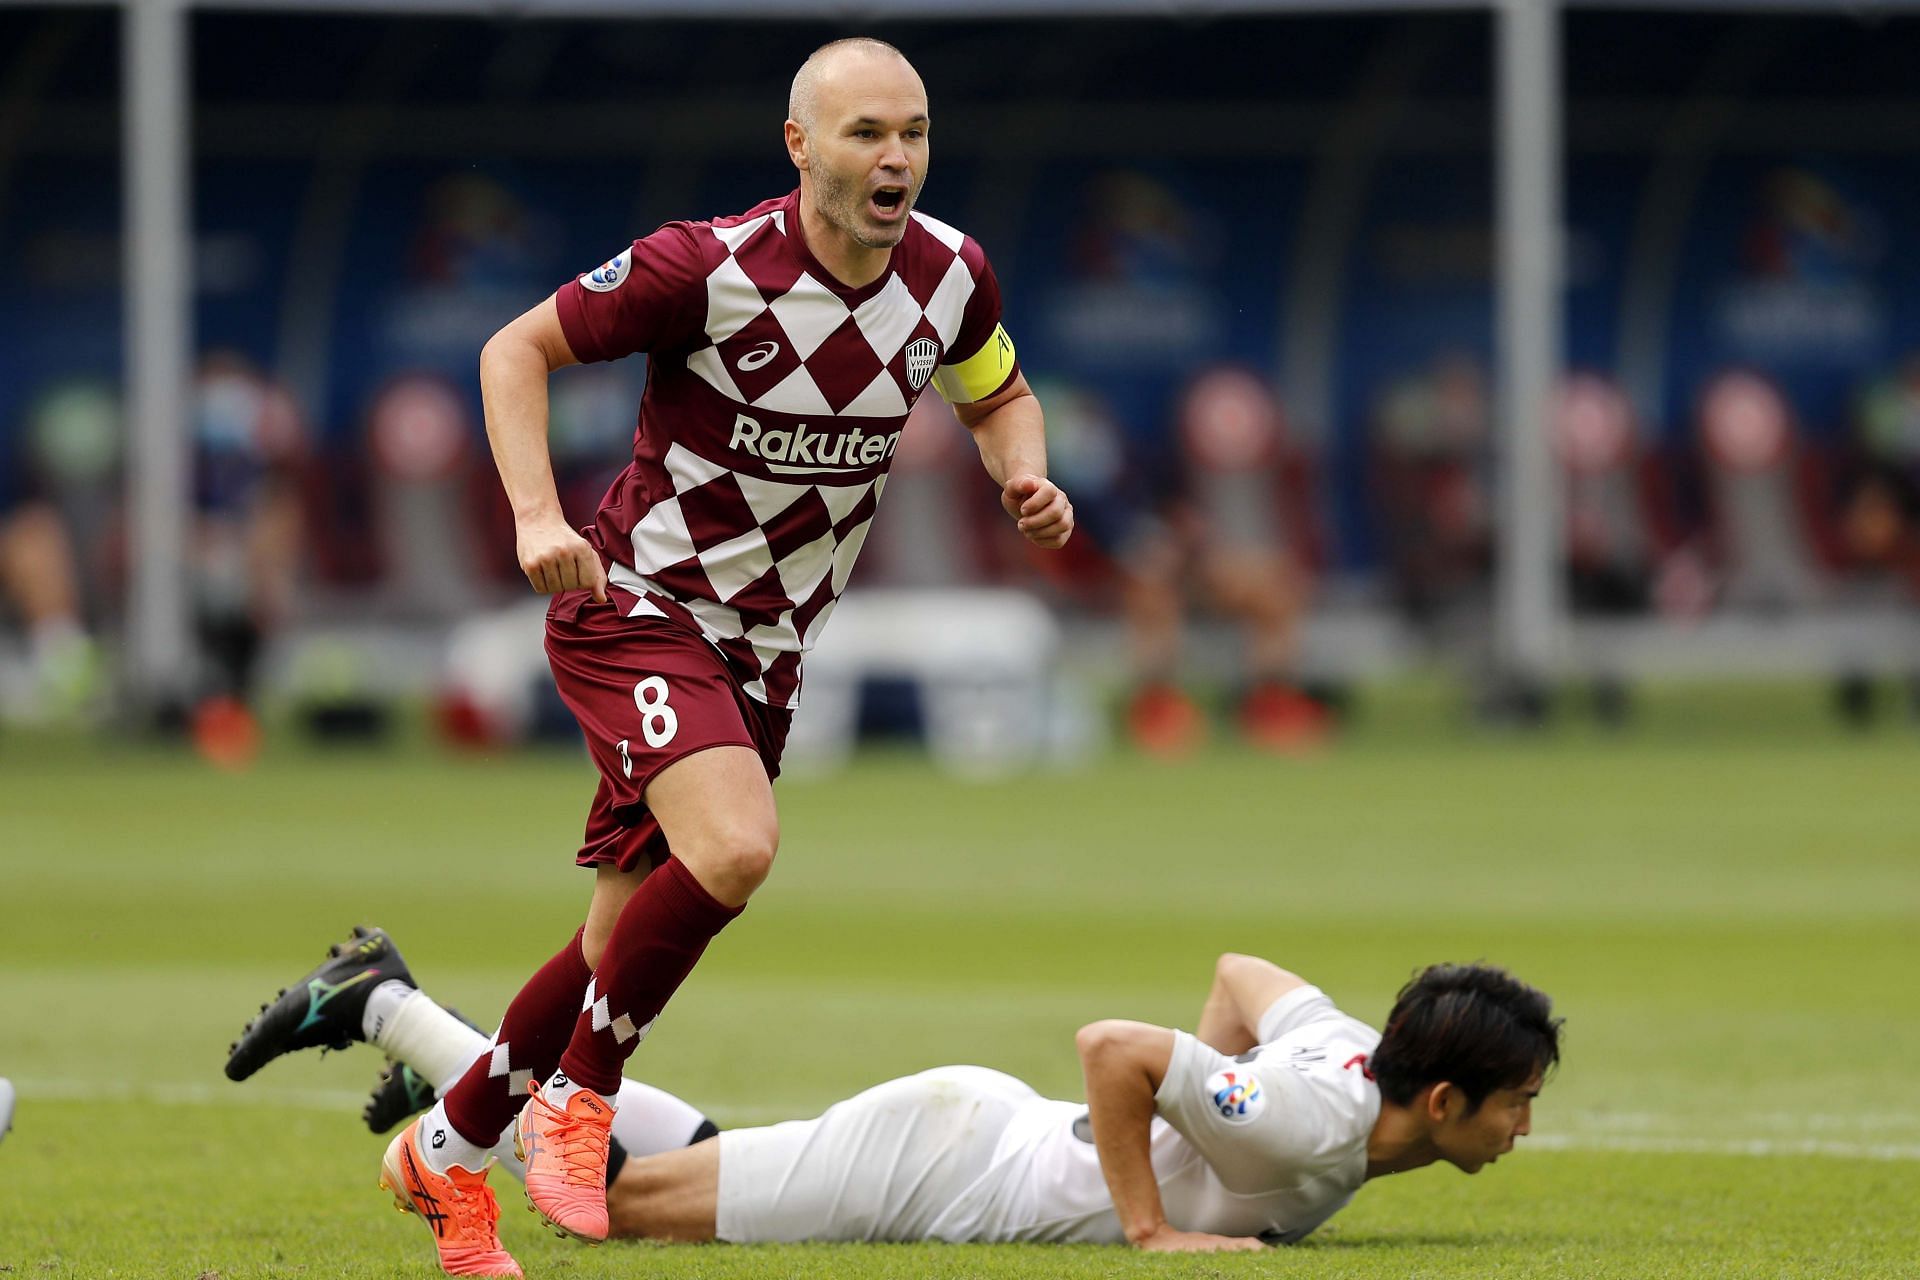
[(647, 692)]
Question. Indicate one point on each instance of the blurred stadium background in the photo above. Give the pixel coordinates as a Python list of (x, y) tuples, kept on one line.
[(1417, 369), (1259, 258)]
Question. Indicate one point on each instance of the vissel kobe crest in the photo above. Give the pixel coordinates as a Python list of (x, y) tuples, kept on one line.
[(921, 355)]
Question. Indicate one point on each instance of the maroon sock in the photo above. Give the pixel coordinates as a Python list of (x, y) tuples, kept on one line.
[(532, 1036), (657, 940)]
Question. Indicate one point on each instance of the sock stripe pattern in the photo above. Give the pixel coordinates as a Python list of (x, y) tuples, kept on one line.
[(660, 935), (532, 1036)]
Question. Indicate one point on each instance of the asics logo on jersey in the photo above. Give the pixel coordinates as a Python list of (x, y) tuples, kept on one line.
[(803, 449), (320, 991), (757, 357)]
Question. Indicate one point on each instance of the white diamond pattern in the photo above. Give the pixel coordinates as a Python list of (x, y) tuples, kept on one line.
[(768, 498), (842, 499), (706, 362), (732, 300), (795, 393), (734, 237), (802, 570), (881, 399), (809, 313), (717, 620), (661, 537), (940, 231), (501, 1065), (948, 306), (888, 318), (737, 563)]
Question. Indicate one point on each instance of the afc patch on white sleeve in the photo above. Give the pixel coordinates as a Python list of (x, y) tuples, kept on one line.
[(1235, 1095), (607, 277)]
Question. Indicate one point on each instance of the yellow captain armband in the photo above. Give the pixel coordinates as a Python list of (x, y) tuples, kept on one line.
[(980, 374)]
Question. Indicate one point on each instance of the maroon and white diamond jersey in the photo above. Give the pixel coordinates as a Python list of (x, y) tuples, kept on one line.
[(775, 398)]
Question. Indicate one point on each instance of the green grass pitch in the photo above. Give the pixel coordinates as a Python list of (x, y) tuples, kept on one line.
[(1729, 918)]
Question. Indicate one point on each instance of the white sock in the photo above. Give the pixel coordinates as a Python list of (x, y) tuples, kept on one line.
[(418, 1032), (559, 1089), (382, 1002), (443, 1147), (651, 1120)]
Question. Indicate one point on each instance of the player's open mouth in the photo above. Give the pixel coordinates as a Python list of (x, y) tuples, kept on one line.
[(887, 202)]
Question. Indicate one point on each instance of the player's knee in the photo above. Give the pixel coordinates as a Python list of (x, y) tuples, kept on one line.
[(749, 859), (735, 861)]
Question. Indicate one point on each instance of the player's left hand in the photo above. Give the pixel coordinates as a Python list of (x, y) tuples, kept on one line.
[(1039, 508), (1168, 1240)]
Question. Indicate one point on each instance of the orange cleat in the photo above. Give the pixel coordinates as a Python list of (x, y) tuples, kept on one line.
[(566, 1155), (1281, 719), (458, 1205), (1164, 722)]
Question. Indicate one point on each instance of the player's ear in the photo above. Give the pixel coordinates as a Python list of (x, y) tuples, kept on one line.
[(1442, 1099), (796, 144)]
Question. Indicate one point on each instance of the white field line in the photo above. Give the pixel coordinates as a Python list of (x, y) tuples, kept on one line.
[(1599, 1133)]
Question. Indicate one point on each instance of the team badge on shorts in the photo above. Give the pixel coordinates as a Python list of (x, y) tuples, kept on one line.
[(607, 277), (921, 355), (1236, 1096)]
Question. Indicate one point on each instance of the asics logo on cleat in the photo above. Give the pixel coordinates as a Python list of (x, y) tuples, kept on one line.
[(425, 1201), (320, 991)]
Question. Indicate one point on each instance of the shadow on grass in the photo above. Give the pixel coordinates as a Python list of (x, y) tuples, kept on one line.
[(1424, 1240)]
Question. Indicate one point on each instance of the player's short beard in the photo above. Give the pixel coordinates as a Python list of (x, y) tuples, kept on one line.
[(844, 201)]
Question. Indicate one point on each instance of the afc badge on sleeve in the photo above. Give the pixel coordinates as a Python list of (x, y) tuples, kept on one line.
[(1235, 1095), (607, 277)]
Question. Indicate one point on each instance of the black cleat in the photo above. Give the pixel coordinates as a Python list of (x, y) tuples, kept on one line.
[(323, 1009), (401, 1092)]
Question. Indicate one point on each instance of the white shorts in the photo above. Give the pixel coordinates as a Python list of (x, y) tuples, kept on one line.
[(883, 1165)]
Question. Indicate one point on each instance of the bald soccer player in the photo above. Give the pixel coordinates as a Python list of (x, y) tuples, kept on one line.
[(785, 347), (1252, 1130)]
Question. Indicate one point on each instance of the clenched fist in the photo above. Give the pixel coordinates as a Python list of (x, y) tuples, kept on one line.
[(556, 558), (1039, 509)]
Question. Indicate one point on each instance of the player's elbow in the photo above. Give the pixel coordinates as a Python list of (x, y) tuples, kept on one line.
[(1089, 1038), (1098, 1041), (518, 349), (496, 356)]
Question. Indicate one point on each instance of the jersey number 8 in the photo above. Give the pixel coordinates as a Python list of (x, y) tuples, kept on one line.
[(658, 722)]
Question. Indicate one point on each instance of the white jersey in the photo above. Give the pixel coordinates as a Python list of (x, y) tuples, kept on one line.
[(1271, 1144)]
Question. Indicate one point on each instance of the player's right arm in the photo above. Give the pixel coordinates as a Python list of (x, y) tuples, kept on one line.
[(1125, 1064), (1244, 989), (514, 366)]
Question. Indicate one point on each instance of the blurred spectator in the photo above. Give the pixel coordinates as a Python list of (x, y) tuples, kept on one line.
[(1234, 536), (1879, 519), (1433, 493), (1226, 528), (58, 517), (1762, 492), (250, 530), (434, 505), (1880, 501), (1620, 528)]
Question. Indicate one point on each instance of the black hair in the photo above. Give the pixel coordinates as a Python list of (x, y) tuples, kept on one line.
[(1472, 1025)]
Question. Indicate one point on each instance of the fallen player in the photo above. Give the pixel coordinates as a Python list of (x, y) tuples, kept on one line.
[(1253, 1130)]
